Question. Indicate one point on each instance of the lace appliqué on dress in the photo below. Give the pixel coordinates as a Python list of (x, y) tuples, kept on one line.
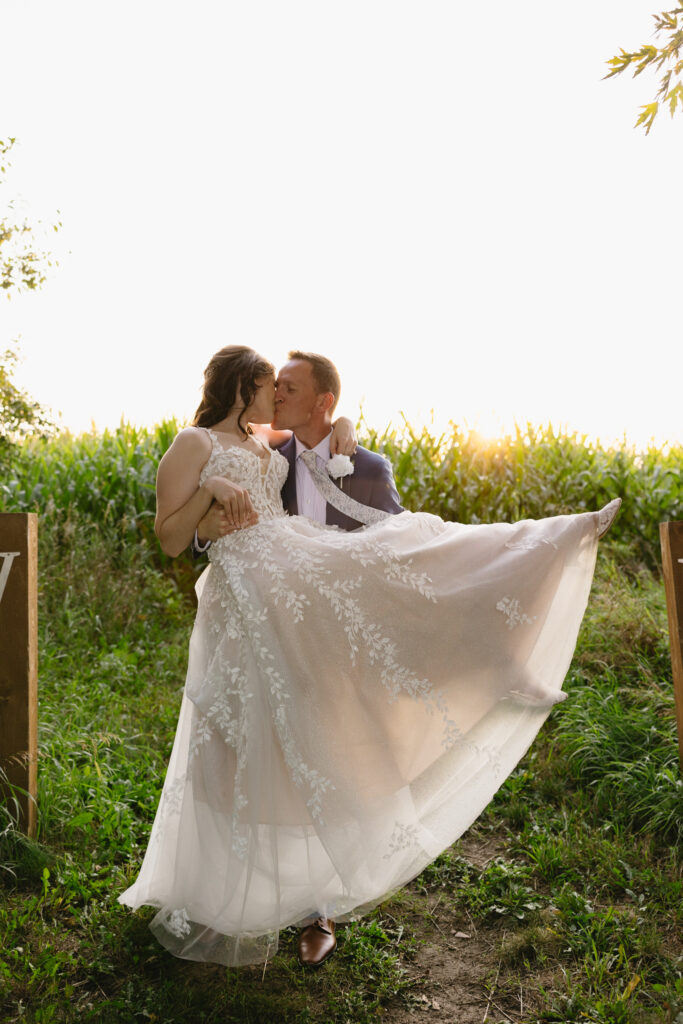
[(178, 923), (511, 608), (326, 671), (529, 543), (402, 838), (298, 572)]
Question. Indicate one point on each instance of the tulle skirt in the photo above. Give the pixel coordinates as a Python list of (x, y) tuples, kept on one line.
[(352, 703)]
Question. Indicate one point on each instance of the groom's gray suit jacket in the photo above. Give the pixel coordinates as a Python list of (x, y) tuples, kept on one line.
[(371, 483)]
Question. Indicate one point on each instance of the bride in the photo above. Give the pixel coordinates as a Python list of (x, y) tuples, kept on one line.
[(352, 700)]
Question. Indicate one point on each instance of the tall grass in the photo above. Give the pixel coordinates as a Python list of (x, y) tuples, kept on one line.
[(531, 473), (580, 901), (109, 477), (536, 472)]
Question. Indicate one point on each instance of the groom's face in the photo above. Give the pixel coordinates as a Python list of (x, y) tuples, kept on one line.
[(296, 398)]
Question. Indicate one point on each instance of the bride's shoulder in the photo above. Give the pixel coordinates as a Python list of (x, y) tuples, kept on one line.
[(191, 441), (193, 437), (189, 452)]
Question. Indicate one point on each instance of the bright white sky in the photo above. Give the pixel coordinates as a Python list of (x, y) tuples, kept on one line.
[(443, 197)]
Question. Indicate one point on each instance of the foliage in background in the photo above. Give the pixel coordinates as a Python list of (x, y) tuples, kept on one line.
[(108, 477), (22, 268), (579, 904), (459, 476), (22, 264), (20, 415), (665, 58), (536, 472)]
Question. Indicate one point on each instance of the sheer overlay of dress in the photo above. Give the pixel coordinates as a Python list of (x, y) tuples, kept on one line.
[(352, 703)]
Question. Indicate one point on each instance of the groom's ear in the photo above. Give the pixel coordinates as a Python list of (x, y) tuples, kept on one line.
[(325, 401)]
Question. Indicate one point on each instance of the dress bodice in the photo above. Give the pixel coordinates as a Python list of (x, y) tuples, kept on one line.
[(262, 476)]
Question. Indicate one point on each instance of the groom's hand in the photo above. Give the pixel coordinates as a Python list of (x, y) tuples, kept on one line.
[(215, 524)]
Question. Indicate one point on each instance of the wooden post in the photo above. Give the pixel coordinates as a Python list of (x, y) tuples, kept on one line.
[(19, 661), (671, 539)]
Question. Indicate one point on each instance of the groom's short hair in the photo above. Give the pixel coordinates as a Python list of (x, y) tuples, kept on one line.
[(325, 374)]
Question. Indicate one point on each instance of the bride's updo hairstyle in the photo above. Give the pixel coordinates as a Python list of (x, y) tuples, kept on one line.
[(231, 372)]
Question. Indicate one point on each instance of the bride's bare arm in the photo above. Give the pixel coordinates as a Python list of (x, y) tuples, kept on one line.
[(182, 501), (343, 440)]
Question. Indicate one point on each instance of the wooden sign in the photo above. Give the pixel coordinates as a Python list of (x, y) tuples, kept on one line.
[(671, 539), (19, 662)]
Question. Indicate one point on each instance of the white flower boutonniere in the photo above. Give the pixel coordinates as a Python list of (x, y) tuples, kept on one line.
[(340, 465)]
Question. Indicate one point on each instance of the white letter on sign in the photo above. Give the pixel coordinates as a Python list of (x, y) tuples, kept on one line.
[(7, 559)]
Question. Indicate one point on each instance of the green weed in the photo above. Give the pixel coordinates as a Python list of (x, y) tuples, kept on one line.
[(531, 473), (584, 910)]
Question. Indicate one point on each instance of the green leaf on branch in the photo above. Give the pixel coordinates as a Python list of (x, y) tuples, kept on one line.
[(647, 116), (22, 264), (666, 58), (20, 415), (675, 96)]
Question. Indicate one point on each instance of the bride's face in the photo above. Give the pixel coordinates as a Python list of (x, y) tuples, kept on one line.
[(261, 408)]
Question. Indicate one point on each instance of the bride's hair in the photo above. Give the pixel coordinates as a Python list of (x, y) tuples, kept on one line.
[(231, 371)]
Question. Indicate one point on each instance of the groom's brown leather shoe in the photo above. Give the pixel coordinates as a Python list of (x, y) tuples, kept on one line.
[(317, 942)]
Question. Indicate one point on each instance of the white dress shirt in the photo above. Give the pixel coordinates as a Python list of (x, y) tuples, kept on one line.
[(309, 500)]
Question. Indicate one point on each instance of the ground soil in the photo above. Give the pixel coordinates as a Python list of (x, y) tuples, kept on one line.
[(456, 967)]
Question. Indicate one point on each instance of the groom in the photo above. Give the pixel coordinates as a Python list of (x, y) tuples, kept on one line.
[(306, 394)]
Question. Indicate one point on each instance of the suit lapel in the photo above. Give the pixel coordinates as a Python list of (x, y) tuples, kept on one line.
[(289, 489)]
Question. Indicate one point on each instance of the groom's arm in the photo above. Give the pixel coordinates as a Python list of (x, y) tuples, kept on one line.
[(372, 482), (384, 493), (211, 527)]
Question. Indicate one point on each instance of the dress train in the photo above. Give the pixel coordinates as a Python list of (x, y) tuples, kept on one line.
[(352, 703)]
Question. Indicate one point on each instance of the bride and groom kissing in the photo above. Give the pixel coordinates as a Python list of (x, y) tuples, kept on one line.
[(354, 697), (306, 394)]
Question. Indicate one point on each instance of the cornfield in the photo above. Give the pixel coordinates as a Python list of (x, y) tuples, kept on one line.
[(531, 473), (580, 918)]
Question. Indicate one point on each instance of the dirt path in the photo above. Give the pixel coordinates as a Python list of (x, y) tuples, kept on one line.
[(456, 983), (456, 966)]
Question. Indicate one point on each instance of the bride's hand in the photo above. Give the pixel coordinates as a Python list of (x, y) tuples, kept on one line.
[(214, 524), (238, 509), (343, 440)]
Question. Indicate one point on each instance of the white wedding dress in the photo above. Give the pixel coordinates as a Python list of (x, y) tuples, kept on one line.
[(352, 703)]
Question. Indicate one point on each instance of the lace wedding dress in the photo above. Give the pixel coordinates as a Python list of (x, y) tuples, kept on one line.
[(352, 703)]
